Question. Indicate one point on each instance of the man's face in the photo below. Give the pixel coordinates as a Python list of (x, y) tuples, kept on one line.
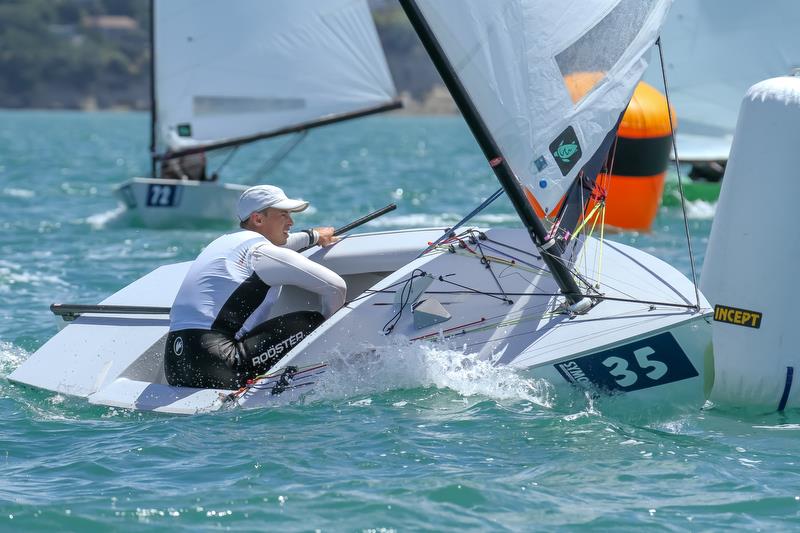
[(274, 224)]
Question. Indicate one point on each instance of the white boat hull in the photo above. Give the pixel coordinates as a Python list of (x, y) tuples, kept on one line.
[(166, 203), (651, 354), (647, 351)]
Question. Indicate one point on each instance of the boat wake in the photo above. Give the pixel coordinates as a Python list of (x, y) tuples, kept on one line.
[(15, 192), (10, 358), (404, 366), (101, 220), (700, 209)]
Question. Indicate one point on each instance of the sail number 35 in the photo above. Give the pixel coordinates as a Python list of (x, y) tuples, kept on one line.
[(625, 377), (639, 365)]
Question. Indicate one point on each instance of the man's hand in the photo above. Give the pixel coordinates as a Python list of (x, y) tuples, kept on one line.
[(326, 237)]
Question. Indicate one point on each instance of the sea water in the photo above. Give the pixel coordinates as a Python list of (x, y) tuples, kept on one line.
[(450, 445)]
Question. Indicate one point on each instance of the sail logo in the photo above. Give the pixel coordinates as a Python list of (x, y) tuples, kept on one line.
[(177, 346), (739, 317), (566, 150)]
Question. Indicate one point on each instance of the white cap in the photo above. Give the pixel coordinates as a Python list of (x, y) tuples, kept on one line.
[(261, 197)]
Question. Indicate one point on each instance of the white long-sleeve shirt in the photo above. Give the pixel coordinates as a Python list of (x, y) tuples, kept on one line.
[(236, 280)]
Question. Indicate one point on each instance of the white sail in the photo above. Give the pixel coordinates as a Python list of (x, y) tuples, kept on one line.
[(517, 58), (715, 50), (230, 70)]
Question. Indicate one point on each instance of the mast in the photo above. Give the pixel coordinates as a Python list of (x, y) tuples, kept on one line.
[(152, 90), (547, 246)]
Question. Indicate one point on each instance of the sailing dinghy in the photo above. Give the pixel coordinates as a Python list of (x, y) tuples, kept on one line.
[(716, 50), (547, 298), (227, 74)]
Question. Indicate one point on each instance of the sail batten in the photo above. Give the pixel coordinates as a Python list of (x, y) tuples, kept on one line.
[(227, 73)]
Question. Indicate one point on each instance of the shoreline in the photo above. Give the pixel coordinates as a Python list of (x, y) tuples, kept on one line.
[(436, 102)]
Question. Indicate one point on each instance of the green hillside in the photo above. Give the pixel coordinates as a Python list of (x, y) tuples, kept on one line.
[(87, 54)]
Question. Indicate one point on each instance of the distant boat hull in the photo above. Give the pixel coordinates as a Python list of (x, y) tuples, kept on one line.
[(167, 203), (693, 191)]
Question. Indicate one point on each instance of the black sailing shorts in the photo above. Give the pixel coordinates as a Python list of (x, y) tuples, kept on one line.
[(213, 359)]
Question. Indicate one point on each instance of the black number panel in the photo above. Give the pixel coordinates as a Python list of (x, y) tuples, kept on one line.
[(639, 365)]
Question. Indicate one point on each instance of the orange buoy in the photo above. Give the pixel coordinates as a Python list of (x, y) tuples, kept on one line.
[(638, 165), (638, 162)]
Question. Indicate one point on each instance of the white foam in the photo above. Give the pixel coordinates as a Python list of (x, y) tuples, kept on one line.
[(425, 220), (403, 365), (10, 357), (419, 220), (100, 220), (700, 209), (497, 219), (12, 274), (18, 193)]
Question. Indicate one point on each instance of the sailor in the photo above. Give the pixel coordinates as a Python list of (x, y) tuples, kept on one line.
[(185, 167), (219, 333)]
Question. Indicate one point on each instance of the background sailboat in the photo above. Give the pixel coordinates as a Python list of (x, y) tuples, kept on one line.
[(715, 50), (225, 74)]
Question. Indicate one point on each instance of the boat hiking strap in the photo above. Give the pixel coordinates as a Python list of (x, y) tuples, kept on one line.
[(451, 231)]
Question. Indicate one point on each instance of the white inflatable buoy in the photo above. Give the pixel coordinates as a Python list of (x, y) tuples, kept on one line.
[(753, 255)]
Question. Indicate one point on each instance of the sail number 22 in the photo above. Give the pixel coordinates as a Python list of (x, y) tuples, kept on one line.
[(639, 365), (161, 195)]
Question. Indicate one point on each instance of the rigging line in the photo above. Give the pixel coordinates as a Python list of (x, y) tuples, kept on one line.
[(404, 300), (488, 265), (594, 283), (528, 312), (513, 248), (515, 260), (589, 216), (491, 295), (602, 244), (447, 234), (678, 170), (596, 296), (570, 265), (226, 161), (276, 158), (369, 292), (599, 256), (609, 168), (445, 331), (592, 217)]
